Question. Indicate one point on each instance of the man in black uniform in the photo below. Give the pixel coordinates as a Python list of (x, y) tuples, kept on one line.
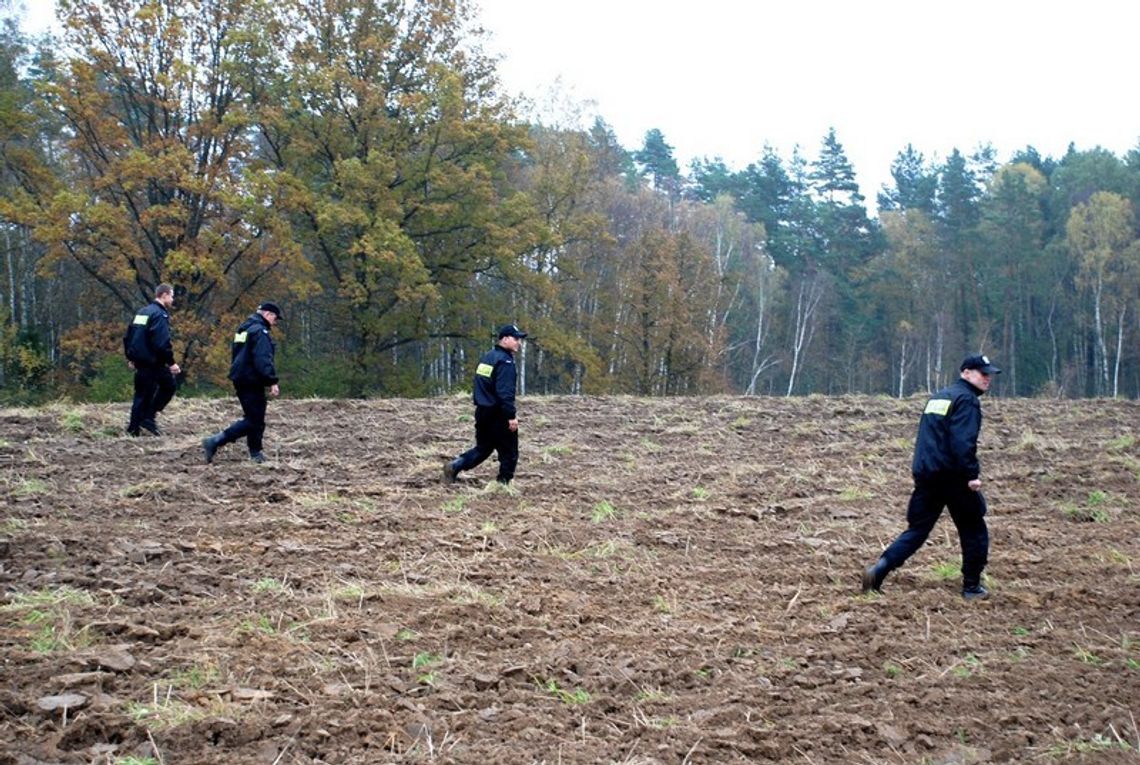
[(251, 371), (150, 353), (946, 474), (496, 421)]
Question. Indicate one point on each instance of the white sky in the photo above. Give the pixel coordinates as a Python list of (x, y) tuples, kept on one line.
[(724, 77)]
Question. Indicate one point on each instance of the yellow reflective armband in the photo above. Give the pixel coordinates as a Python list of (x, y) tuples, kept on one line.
[(939, 406), (240, 337), (484, 370), (140, 319)]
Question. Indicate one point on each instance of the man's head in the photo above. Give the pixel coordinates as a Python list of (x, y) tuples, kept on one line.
[(511, 337), (977, 370), (164, 294), (271, 312)]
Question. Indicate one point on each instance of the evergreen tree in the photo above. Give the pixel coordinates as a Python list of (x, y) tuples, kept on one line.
[(916, 184), (712, 178), (655, 158), (958, 213), (832, 176), (1012, 236)]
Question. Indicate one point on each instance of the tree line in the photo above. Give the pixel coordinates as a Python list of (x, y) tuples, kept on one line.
[(360, 163)]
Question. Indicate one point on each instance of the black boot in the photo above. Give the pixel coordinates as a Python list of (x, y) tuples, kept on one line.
[(211, 444), (449, 472), (873, 576), (974, 591)]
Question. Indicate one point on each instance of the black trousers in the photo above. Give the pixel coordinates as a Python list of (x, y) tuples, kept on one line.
[(154, 387), (492, 434), (252, 424), (967, 510)]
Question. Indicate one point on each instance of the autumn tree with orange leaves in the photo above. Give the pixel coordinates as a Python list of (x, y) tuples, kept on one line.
[(158, 180)]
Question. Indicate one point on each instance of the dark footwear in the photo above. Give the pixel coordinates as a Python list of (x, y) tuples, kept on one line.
[(257, 457), (976, 592), (210, 447), (133, 432), (873, 576), (150, 427), (449, 472)]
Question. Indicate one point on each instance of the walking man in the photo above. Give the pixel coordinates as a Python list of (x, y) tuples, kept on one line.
[(947, 474), (150, 353), (252, 372), (496, 420)]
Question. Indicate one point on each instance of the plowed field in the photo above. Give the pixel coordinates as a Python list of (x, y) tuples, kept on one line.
[(667, 581)]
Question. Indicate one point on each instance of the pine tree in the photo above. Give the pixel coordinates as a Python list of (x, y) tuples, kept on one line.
[(656, 160)]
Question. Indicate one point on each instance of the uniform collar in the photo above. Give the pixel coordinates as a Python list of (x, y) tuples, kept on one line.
[(976, 391)]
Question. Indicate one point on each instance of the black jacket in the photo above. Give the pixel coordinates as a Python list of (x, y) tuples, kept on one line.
[(252, 354), (495, 382), (147, 339), (947, 443)]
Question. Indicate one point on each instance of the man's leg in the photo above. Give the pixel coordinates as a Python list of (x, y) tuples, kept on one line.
[(926, 503), (237, 429), (508, 448), (484, 444), (163, 390), (166, 385), (253, 406), (968, 510), (145, 384)]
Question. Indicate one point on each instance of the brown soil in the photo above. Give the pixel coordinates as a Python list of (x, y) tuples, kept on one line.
[(340, 605)]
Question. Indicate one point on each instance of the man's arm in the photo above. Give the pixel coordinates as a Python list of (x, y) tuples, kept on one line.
[(505, 387), (964, 424), (263, 357)]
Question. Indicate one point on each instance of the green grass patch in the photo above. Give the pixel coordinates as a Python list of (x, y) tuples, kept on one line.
[(261, 624), (602, 512), (549, 453), (195, 677), (1086, 656), (1094, 745), (474, 596), (454, 505), (349, 592), (1092, 511), (30, 487), (947, 570), (59, 597), (72, 422), (650, 445), (572, 698), (47, 615), (268, 585), (1120, 443), (968, 666), (13, 525)]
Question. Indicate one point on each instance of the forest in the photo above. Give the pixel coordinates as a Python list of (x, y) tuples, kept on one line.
[(361, 163)]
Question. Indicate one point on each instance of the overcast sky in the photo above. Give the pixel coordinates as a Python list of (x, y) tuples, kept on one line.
[(724, 77)]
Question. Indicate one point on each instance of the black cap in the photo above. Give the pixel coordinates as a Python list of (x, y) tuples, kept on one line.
[(980, 363), (269, 305), (511, 330)]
